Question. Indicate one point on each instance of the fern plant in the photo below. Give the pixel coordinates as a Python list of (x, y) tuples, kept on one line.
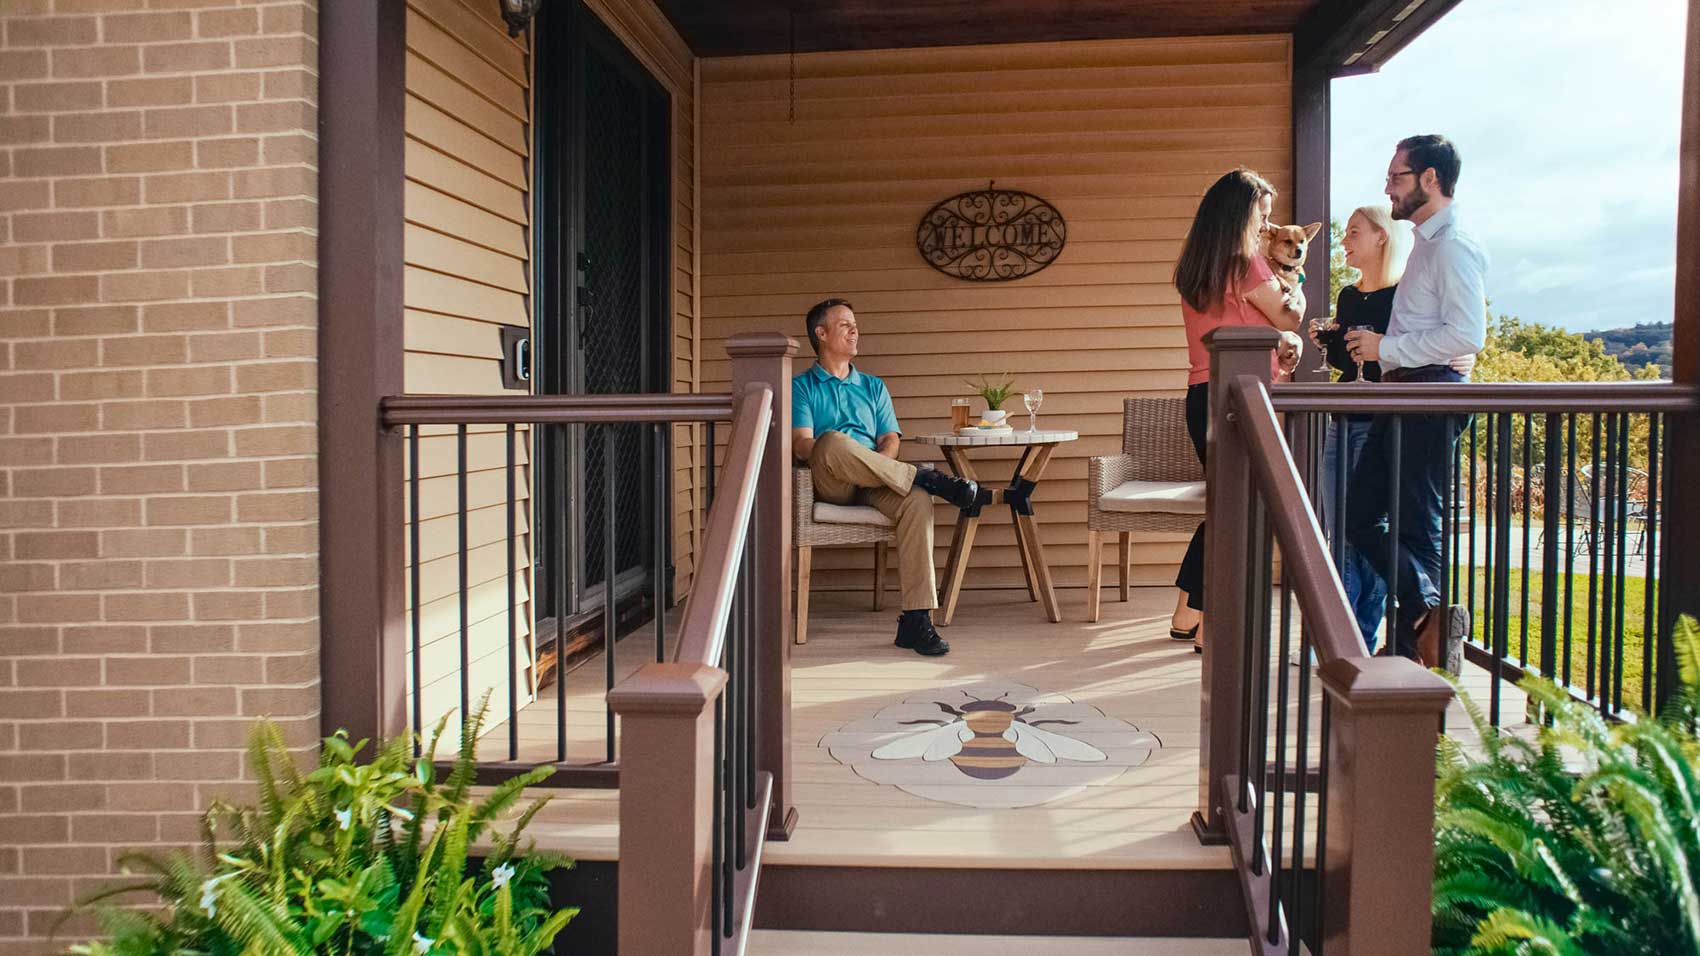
[(1585, 840), (356, 859)]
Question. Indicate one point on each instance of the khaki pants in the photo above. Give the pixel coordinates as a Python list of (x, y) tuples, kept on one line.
[(846, 472)]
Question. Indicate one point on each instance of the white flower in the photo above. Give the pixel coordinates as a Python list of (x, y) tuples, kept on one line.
[(209, 894), (500, 876), (422, 945), (344, 817)]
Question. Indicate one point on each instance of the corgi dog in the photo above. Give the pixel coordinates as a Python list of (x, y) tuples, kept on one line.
[(1285, 248)]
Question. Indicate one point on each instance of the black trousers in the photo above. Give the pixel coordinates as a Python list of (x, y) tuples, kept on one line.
[(1191, 576), (1410, 565)]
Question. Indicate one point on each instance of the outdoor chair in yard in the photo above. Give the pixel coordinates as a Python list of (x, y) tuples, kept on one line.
[(1155, 485), (820, 524)]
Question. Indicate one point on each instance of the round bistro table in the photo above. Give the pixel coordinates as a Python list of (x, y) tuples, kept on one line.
[(1036, 450)]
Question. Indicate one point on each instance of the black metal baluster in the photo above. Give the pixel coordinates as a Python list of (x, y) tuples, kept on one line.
[(1490, 511), (1550, 474), (1611, 671), (708, 454), (663, 508), (413, 579), (1342, 475), (1259, 666), (1248, 673), (720, 888), (735, 665), (1569, 543), (1593, 555), (465, 615), (563, 557), (1282, 701), (1649, 551), (1395, 464), (1502, 565), (513, 601), (1622, 578), (751, 723), (1453, 477), (610, 559), (1324, 743), (1529, 495), (727, 804), (1301, 774), (1470, 559)]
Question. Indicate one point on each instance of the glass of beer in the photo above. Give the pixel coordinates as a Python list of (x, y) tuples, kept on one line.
[(958, 413)]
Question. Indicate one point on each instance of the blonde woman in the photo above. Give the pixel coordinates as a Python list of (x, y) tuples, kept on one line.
[(1377, 246)]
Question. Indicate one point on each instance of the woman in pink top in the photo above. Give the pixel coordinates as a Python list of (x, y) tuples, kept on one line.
[(1223, 279)]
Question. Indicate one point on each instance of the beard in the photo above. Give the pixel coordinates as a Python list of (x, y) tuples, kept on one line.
[(1409, 203)]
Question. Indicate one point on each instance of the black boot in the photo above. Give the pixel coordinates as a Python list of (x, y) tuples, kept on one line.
[(960, 492), (915, 632)]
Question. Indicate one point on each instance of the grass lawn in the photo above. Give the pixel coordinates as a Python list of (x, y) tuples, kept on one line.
[(1516, 649)]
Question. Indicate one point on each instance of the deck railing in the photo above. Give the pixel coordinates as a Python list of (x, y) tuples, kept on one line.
[(700, 749), (1325, 793)]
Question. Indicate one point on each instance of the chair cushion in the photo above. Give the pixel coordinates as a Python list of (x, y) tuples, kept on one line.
[(1166, 497), (826, 513)]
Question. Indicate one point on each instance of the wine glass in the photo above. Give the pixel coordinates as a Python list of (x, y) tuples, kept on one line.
[(1032, 398), (1361, 328)]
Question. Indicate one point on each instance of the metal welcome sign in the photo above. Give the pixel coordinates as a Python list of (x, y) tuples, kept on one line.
[(991, 235)]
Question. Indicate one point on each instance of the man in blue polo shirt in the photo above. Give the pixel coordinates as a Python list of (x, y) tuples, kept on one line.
[(843, 425)]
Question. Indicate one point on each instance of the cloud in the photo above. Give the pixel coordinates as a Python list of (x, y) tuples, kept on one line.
[(1568, 117)]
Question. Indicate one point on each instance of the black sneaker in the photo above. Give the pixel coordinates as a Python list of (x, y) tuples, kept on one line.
[(961, 492), (915, 632)]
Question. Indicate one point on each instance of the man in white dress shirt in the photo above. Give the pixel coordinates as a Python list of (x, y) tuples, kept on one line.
[(1439, 314)]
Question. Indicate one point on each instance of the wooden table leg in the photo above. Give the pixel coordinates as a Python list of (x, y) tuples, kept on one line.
[(961, 543), (1020, 540), (1027, 527)]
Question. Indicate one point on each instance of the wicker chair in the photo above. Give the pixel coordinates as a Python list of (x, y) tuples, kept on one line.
[(1155, 484), (819, 524)]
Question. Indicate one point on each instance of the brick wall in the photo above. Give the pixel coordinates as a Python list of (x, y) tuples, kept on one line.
[(158, 545)]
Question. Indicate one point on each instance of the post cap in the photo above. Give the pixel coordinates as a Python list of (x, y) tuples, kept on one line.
[(1248, 337), (1385, 684), (671, 688), (761, 344)]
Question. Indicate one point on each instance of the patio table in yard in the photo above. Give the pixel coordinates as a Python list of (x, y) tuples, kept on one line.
[(1036, 450)]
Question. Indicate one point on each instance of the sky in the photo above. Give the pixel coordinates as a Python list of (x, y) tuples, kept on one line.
[(1567, 114)]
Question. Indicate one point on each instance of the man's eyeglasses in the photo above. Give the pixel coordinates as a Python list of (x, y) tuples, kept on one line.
[(1393, 176)]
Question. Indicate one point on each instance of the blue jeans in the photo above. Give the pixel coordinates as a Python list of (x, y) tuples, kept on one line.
[(1412, 562), (1366, 592)]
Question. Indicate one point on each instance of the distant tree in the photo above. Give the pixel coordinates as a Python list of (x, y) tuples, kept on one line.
[(1519, 351), (1340, 275)]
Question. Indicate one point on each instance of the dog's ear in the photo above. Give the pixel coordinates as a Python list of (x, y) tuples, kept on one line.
[(1311, 230)]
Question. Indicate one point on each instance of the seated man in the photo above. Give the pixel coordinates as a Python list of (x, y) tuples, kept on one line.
[(844, 427)]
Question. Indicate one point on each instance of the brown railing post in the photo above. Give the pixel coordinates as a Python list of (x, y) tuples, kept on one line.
[(765, 358), (1234, 351), (666, 808), (1378, 867)]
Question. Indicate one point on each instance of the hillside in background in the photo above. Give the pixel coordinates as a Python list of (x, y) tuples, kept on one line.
[(1638, 345)]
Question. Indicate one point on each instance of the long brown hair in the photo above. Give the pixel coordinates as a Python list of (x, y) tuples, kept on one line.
[(1219, 246)]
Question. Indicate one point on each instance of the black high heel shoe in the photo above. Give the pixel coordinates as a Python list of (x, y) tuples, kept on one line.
[(1179, 635)]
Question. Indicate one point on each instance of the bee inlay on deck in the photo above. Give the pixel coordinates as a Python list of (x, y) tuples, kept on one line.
[(995, 744)]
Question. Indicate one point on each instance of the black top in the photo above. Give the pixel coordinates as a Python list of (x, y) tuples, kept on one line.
[(1354, 308)]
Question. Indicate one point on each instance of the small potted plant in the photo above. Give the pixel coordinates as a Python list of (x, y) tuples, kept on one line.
[(994, 393)]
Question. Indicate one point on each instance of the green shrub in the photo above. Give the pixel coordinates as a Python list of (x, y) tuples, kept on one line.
[(356, 859), (1585, 840)]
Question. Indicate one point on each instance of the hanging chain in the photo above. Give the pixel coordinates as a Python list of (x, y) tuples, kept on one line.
[(791, 106)]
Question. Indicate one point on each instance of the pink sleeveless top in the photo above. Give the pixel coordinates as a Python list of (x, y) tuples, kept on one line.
[(1233, 310)]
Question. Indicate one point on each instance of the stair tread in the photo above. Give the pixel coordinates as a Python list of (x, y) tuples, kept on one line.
[(787, 943)]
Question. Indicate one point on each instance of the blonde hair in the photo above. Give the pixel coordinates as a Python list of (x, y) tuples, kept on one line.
[(1396, 249)]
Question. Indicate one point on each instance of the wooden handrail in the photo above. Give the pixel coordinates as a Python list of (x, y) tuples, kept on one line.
[(1305, 561), (702, 632), (1466, 397), (397, 410)]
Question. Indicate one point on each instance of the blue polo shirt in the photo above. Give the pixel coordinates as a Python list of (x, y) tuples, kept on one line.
[(857, 405)]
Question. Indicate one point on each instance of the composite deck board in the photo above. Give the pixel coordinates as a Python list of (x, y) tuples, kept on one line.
[(1125, 666)]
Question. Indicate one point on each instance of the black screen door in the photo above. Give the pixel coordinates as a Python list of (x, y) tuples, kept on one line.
[(601, 306)]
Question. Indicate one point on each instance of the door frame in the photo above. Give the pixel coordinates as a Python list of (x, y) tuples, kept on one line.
[(558, 202)]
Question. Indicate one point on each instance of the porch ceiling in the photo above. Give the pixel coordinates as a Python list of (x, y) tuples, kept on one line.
[(738, 27)]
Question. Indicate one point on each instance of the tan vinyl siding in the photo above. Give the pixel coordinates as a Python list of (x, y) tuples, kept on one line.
[(467, 250), (644, 30), (1121, 136)]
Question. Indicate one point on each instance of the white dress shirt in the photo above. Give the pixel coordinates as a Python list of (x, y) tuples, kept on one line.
[(1440, 308)]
